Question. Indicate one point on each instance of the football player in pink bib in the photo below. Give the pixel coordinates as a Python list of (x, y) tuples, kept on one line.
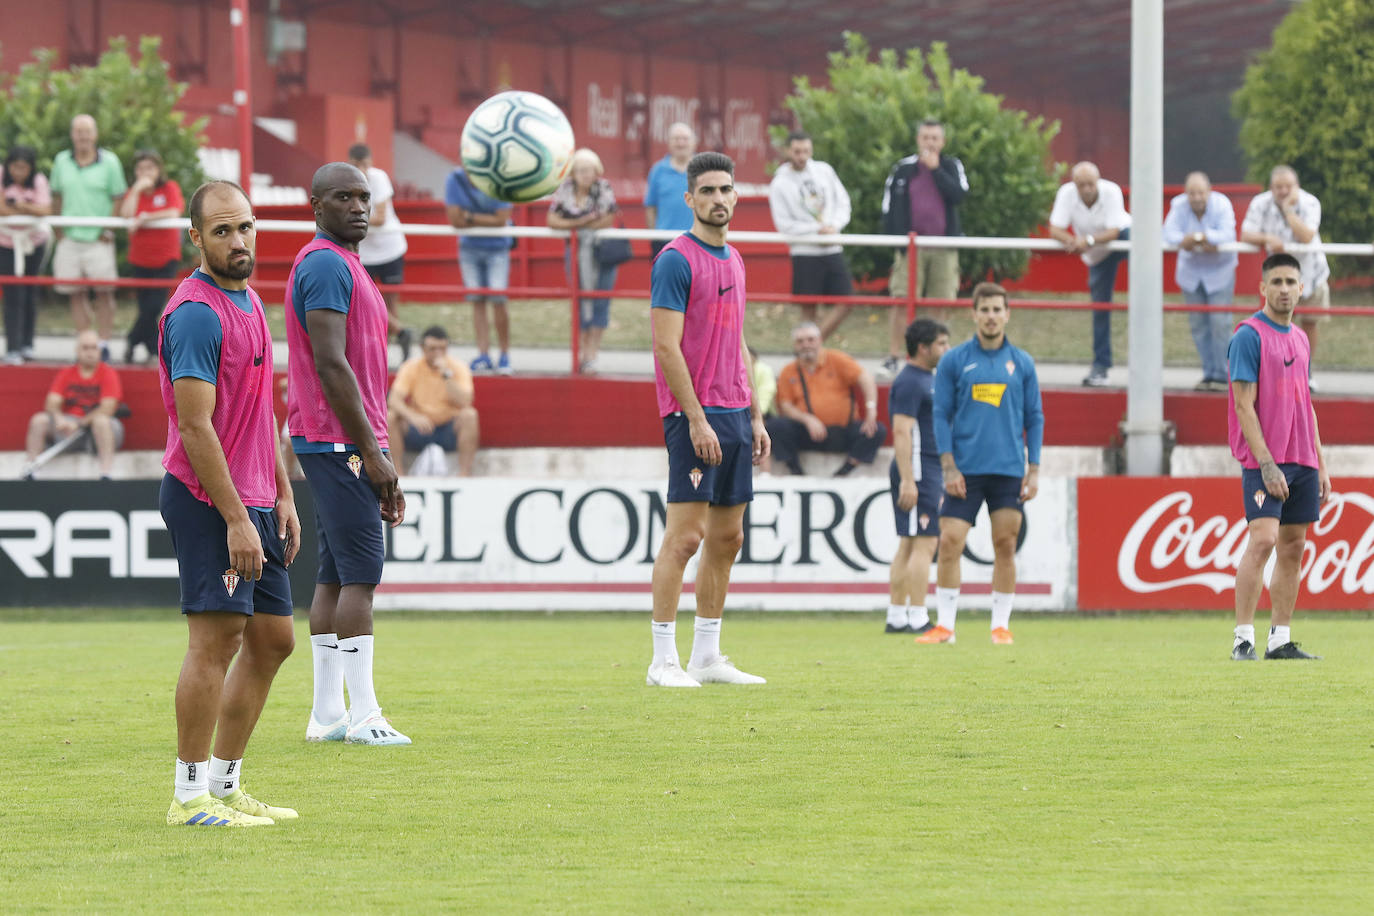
[(228, 505), (711, 423), (1273, 432), (336, 334)]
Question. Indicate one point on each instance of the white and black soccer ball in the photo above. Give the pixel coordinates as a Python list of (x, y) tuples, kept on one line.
[(517, 146)]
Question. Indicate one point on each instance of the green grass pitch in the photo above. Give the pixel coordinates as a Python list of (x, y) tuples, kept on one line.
[(1100, 765)]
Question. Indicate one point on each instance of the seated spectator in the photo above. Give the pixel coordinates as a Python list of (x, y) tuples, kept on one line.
[(431, 404), (23, 192), (584, 203), (83, 399), (764, 381), (153, 253), (817, 408)]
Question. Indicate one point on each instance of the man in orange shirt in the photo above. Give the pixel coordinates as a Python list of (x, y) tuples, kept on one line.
[(817, 407), (84, 396), (431, 404)]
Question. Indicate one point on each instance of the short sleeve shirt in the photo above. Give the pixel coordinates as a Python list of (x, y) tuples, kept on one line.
[(1263, 215), (829, 388), (87, 190), (426, 390), (387, 242), (81, 394), (1107, 212), (459, 191)]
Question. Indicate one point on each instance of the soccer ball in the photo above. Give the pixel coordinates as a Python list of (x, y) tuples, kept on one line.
[(517, 146)]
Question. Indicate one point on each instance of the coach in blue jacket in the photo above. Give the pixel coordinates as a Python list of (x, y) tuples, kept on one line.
[(989, 427)]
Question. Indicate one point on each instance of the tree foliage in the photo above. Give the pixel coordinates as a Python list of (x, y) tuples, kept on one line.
[(132, 101), (1309, 102), (866, 120)]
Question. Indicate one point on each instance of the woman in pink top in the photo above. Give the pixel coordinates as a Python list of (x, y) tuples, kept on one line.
[(23, 192)]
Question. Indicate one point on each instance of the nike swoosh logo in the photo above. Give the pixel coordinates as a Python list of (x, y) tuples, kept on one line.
[(721, 291), (348, 650), (335, 646), (257, 360), (1289, 362)]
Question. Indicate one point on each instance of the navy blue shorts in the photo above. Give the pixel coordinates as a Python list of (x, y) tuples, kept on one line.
[(1302, 506), (348, 519), (997, 490), (691, 480), (445, 435), (924, 519), (199, 539)]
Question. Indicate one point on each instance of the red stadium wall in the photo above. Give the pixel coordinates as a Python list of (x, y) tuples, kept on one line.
[(572, 412), (620, 101)]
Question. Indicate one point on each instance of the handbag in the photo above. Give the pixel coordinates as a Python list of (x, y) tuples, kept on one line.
[(612, 252)]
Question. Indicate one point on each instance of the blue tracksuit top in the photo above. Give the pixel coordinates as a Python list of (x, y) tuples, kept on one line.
[(987, 409)]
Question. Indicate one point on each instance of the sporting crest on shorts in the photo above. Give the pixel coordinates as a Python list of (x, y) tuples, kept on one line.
[(924, 520), (355, 464), (695, 475), (1259, 497), (230, 580)]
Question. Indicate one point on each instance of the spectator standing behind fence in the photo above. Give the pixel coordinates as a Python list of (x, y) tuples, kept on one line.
[(922, 195), (485, 263), (1201, 220), (806, 197), (383, 250), (86, 180), (430, 403), (1095, 209), (23, 192), (84, 397), (665, 195), (153, 253), (1283, 215), (817, 410), (584, 203)]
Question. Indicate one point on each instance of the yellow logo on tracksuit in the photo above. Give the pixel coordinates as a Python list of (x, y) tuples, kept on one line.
[(989, 393)]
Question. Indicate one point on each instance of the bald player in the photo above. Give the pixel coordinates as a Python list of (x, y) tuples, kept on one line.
[(336, 332), (228, 505)]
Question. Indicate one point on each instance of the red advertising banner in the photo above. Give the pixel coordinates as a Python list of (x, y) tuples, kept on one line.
[(1158, 543)]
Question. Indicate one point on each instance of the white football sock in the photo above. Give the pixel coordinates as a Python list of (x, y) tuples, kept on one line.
[(355, 653), (224, 776), (946, 606), (917, 617), (1245, 633), (1278, 636), (665, 641), (896, 615), (1001, 609), (329, 683), (705, 641), (192, 780)]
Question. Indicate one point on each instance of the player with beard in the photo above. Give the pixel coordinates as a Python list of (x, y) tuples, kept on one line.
[(228, 505), (989, 428), (336, 333), (711, 423)]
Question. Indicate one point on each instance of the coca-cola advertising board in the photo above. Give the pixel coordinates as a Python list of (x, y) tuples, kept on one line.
[(1174, 543)]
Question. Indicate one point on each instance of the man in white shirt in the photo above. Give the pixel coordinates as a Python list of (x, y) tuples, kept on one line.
[(807, 198), (1286, 214), (383, 251), (1095, 210)]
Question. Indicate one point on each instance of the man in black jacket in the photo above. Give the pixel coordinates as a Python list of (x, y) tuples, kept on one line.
[(922, 194)]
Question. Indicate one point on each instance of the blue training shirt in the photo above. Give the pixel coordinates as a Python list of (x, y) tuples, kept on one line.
[(459, 191), (913, 395), (987, 410), (1243, 352)]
